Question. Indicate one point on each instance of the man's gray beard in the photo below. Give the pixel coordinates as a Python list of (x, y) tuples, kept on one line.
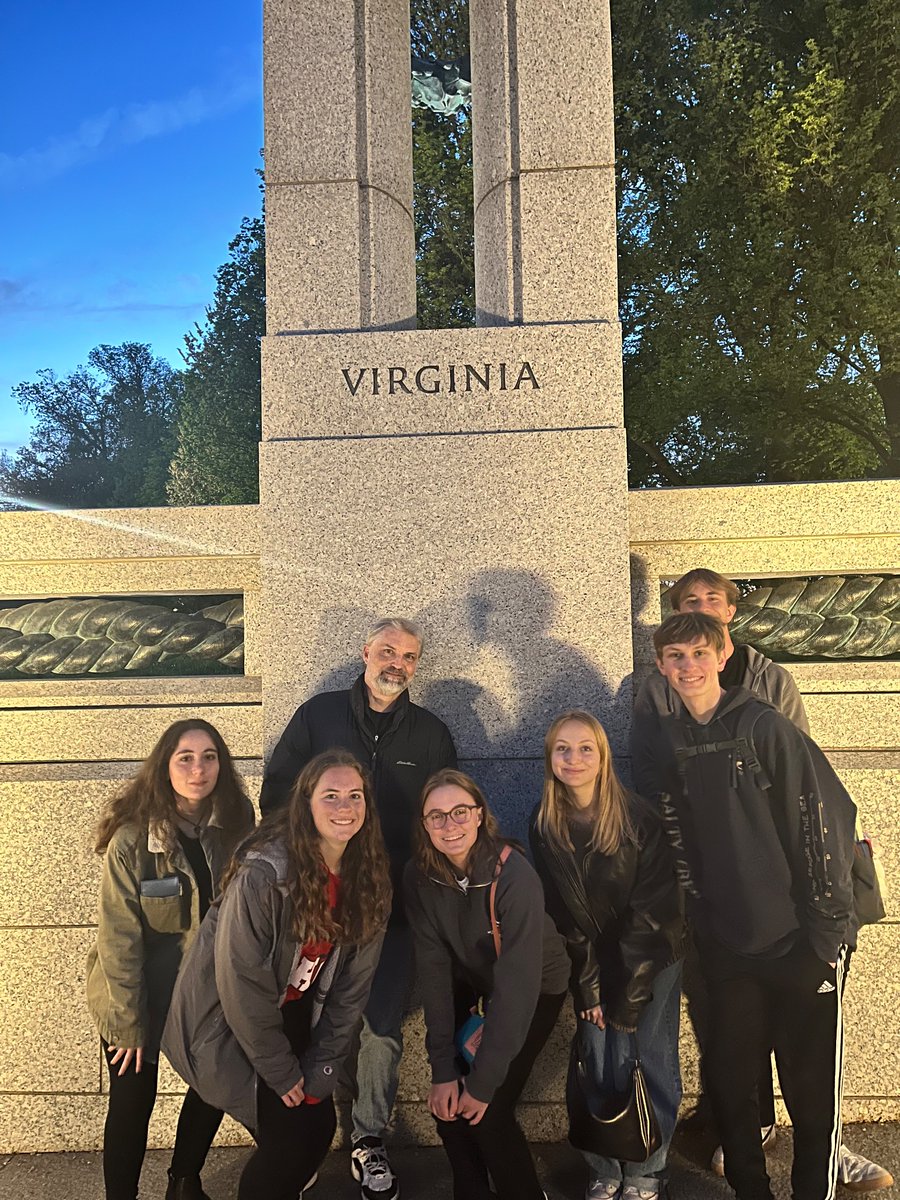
[(391, 687)]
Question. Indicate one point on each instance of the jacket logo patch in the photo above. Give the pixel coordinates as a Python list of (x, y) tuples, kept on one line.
[(401, 762), (825, 986)]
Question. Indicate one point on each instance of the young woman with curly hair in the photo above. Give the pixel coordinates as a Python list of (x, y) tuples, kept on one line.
[(269, 998), (459, 855), (165, 838), (610, 886)]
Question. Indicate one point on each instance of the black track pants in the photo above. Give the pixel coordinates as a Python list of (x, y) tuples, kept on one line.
[(795, 1000)]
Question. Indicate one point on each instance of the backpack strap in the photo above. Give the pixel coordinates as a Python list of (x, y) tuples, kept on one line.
[(741, 747), (495, 925)]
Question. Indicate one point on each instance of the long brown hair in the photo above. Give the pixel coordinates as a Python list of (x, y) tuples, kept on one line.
[(609, 806), (149, 801), (431, 862), (365, 894)]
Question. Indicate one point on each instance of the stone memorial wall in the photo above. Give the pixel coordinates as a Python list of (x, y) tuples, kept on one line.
[(473, 480), (65, 744)]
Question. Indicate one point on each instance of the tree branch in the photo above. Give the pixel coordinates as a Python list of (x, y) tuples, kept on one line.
[(658, 459)]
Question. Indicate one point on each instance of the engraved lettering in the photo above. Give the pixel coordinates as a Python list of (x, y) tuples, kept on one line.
[(431, 379), (525, 372), (397, 379), (420, 380), (354, 387), (484, 380)]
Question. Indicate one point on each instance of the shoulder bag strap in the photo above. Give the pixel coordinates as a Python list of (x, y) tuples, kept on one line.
[(495, 928)]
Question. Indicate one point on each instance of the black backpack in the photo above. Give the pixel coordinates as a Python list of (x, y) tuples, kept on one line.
[(868, 902)]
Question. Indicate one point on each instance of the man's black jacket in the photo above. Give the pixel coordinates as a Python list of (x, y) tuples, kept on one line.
[(415, 744)]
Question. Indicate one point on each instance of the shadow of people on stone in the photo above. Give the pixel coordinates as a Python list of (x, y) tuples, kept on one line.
[(454, 681), (473, 714), (513, 611), (340, 628)]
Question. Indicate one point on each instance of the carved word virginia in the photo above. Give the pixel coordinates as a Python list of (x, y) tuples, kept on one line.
[(431, 378)]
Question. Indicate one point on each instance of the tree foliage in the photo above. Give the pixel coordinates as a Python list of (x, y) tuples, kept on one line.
[(442, 179), (102, 436), (218, 427), (757, 239)]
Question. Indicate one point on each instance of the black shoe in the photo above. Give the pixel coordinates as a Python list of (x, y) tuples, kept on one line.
[(184, 1187)]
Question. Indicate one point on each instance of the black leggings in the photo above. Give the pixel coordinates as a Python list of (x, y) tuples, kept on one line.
[(131, 1100), (290, 1142), (497, 1144)]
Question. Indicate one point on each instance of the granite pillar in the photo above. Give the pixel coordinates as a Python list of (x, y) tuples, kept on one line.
[(338, 166), (545, 196), (473, 479)]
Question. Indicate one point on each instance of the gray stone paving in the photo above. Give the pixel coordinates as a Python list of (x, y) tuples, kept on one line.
[(423, 1171)]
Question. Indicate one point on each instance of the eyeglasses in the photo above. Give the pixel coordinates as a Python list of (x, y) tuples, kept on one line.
[(459, 815)]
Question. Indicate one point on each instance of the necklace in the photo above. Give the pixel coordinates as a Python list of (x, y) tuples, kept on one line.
[(195, 827)]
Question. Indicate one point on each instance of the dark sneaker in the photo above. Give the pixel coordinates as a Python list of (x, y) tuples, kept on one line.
[(184, 1187), (370, 1168)]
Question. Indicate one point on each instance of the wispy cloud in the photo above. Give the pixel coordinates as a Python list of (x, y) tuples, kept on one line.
[(106, 132), (11, 292), (20, 297)]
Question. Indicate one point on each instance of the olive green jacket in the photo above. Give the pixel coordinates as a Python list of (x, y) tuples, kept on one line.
[(149, 915)]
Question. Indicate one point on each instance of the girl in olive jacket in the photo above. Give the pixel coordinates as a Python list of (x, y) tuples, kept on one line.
[(273, 989), (610, 886), (165, 840)]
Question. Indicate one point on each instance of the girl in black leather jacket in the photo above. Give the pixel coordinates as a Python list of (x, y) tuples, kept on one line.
[(609, 884)]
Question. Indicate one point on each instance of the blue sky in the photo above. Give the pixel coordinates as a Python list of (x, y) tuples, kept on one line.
[(129, 141)]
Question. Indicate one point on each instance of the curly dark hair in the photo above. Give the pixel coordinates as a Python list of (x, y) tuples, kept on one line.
[(431, 862), (149, 801), (365, 896)]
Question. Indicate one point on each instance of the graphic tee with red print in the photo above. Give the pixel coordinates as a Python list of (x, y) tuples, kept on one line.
[(311, 957)]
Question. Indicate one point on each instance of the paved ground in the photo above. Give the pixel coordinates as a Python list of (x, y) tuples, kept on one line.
[(423, 1172)]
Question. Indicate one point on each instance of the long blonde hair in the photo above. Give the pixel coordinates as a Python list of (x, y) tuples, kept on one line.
[(609, 806)]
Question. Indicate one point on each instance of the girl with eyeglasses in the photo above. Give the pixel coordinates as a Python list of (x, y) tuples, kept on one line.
[(609, 882), (459, 860)]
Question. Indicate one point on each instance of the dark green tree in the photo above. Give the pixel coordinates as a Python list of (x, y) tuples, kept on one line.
[(757, 239), (102, 436), (442, 179), (216, 460)]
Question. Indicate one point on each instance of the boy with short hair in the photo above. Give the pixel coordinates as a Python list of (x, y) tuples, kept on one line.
[(763, 834), (702, 590)]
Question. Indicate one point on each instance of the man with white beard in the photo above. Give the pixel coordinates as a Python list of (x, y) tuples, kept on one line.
[(402, 745)]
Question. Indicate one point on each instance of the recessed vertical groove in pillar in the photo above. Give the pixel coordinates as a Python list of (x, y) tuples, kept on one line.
[(515, 161), (362, 166)]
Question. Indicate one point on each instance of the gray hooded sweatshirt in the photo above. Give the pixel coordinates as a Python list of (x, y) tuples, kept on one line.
[(225, 1029)]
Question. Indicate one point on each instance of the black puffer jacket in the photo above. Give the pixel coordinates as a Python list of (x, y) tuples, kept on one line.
[(415, 744), (620, 915)]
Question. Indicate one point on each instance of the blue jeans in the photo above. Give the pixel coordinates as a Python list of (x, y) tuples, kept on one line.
[(610, 1055), (381, 1038)]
